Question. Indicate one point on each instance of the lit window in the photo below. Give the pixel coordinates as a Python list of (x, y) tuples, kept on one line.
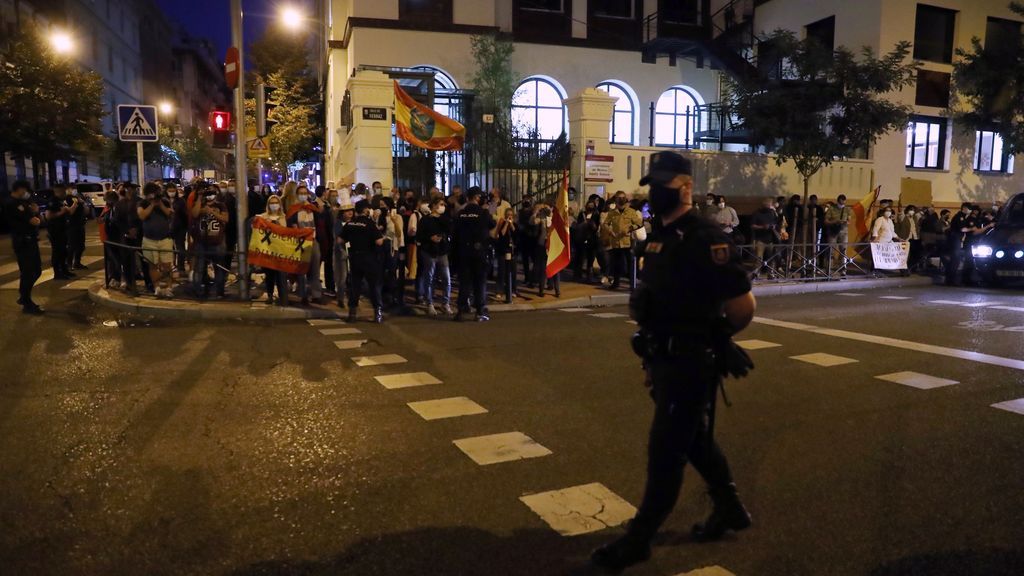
[(676, 118), (926, 142), (622, 123), (537, 110), (989, 153)]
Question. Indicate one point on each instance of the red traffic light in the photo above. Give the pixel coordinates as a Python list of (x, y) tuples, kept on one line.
[(220, 120)]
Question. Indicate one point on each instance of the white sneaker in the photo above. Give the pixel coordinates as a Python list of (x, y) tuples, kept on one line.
[(123, 285), (168, 293), (431, 311), (448, 309)]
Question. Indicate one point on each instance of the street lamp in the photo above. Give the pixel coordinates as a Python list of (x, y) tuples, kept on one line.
[(291, 17), (166, 108), (61, 42)]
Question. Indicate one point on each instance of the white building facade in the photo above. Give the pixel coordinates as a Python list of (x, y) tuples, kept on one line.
[(563, 47)]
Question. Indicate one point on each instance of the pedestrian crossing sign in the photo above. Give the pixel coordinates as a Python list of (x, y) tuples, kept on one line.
[(136, 123), (258, 147)]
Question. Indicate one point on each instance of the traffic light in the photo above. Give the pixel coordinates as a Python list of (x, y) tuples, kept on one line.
[(263, 108), (220, 125)]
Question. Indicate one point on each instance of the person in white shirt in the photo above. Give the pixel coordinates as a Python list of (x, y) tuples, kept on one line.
[(882, 230), (726, 216)]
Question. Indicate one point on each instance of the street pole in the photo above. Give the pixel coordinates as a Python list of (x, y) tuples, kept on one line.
[(241, 180), (141, 165)]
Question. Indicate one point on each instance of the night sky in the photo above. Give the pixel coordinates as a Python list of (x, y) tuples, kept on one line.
[(211, 18)]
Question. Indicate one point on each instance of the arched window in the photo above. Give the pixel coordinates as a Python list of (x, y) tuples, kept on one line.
[(444, 84), (537, 110), (676, 118), (623, 122)]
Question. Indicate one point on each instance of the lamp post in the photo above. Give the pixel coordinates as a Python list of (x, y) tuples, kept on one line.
[(241, 180), (61, 42)]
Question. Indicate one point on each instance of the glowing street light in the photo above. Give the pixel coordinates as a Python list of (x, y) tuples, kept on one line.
[(166, 108), (291, 17), (61, 42)]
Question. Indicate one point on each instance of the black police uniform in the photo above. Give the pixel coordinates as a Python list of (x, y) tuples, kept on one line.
[(76, 233), (25, 238), (958, 247), (364, 263), (691, 268), (57, 232), (471, 238)]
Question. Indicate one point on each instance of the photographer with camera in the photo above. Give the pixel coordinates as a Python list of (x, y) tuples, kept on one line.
[(210, 219), (505, 234), (157, 245)]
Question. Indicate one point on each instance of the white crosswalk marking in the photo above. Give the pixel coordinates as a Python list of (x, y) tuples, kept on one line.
[(580, 509), (1010, 308), (756, 344), (325, 322), (496, 448), (1015, 406), (966, 304), (917, 380), (709, 571), (379, 360), (349, 344), (47, 274), (340, 331), (609, 315), (447, 408), (848, 294), (84, 283), (823, 359), (574, 309), (396, 381), (895, 297)]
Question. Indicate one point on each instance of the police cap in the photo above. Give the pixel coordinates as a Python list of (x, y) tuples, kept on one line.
[(362, 205), (473, 191), (664, 167)]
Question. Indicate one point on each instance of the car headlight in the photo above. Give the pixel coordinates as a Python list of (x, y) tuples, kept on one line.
[(981, 251), (1018, 254), (1000, 253)]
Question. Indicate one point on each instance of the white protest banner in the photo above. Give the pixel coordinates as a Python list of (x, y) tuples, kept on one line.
[(890, 255)]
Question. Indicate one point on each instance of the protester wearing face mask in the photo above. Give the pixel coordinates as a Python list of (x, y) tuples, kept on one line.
[(303, 215), (275, 279), (211, 220), (617, 236), (346, 212), (434, 237), (325, 236), (526, 239), (726, 217), (883, 229), (906, 229), (587, 225), (710, 206)]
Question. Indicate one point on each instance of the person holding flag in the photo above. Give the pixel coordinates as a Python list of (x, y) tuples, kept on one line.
[(556, 238)]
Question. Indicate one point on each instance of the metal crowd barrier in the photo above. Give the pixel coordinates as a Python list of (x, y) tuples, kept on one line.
[(130, 259)]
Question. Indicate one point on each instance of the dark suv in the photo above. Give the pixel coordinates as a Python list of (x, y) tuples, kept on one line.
[(999, 254)]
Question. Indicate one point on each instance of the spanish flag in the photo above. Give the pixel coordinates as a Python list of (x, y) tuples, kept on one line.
[(423, 127), (862, 213), (558, 234)]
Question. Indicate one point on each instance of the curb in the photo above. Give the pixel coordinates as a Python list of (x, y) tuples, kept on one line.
[(192, 309), (762, 290)]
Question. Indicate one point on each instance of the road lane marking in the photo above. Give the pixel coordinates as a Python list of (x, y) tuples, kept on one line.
[(633, 322), (757, 344), (917, 380), (966, 304), (946, 302), (849, 294), (708, 571), (379, 360), (48, 274), (446, 408), (1015, 406), (609, 315), (340, 331), (574, 309), (496, 448), (823, 359), (896, 297), (580, 509), (349, 344), (325, 322), (1010, 308), (897, 343), (396, 381)]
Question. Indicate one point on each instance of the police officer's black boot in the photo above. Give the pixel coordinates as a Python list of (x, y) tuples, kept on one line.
[(728, 514), (352, 313), (622, 553)]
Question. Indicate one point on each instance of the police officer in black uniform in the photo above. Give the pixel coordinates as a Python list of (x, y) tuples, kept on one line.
[(58, 215), (694, 295), (365, 260), (76, 229), (471, 238), (23, 219)]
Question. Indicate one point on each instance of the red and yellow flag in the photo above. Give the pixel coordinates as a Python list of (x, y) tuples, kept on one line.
[(862, 214), (558, 234), (421, 126)]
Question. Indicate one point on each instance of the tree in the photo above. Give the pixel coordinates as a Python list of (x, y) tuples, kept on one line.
[(818, 105), (194, 152), (494, 80), (987, 84), (49, 107)]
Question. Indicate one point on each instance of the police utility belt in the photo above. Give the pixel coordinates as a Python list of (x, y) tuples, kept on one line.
[(716, 346)]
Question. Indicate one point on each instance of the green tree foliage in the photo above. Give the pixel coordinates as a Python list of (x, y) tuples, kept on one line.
[(193, 150), (282, 61), (987, 88), (494, 80), (49, 107)]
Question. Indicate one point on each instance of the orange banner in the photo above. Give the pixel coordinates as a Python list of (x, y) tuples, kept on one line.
[(279, 248)]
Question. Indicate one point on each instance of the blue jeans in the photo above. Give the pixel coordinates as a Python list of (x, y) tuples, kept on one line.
[(209, 255), (437, 267)]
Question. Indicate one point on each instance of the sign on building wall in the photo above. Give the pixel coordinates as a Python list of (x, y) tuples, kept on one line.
[(599, 168), (375, 113)]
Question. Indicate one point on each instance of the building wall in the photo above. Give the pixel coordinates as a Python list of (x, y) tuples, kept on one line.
[(880, 24)]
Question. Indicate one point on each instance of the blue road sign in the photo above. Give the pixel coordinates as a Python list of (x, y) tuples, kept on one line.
[(136, 123)]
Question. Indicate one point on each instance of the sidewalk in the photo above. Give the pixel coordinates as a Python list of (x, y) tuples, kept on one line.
[(573, 296)]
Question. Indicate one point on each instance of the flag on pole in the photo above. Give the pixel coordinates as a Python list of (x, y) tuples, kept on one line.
[(421, 126), (862, 213), (558, 235)]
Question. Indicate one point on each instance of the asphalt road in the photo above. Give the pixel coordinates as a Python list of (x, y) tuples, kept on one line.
[(135, 447)]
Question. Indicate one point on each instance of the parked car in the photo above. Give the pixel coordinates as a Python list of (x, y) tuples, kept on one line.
[(999, 254), (92, 193)]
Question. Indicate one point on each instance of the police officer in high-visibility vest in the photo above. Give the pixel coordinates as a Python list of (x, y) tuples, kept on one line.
[(694, 296), (23, 219)]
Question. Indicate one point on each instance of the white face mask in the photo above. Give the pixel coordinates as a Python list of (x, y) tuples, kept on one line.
[(303, 198), (425, 209), (910, 213), (721, 204), (711, 202), (274, 207), (440, 209), (887, 214), (611, 206)]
